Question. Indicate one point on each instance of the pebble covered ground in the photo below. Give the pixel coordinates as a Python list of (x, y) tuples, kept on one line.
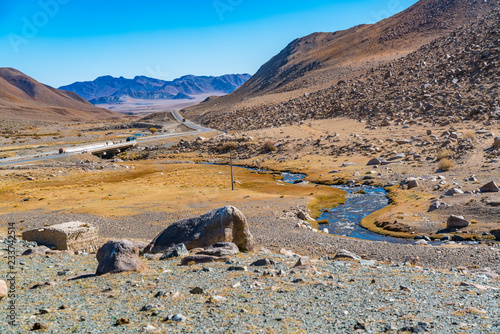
[(333, 296)]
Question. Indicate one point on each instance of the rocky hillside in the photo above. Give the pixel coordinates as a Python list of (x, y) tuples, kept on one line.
[(451, 79), (24, 98), (108, 89), (319, 60)]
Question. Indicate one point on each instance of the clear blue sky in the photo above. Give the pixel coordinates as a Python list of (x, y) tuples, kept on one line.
[(62, 41)]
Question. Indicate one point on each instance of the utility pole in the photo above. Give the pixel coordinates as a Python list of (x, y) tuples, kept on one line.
[(231, 163)]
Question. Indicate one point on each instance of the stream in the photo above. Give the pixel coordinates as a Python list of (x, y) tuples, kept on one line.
[(345, 218)]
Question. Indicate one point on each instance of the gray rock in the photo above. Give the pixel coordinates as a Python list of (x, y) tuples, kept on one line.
[(226, 224), (376, 161), (263, 262), (149, 307), (490, 187), (118, 256), (175, 251), (179, 317), (304, 216), (457, 222), (496, 234), (197, 291), (454, 191), (435, 206), (398, 156), (346, 254), (220, 249), (237, 268), (412, 184), (194, 259), (367, 263), (41, 250)]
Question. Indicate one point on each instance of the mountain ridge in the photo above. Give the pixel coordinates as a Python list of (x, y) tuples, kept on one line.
[(109, 89), (320, 60), (452, 79), (24, 98)]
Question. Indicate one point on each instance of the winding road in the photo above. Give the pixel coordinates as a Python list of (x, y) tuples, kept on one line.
[(197, 129)]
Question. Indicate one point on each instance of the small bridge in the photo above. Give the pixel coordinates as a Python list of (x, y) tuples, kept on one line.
[(103, 150)]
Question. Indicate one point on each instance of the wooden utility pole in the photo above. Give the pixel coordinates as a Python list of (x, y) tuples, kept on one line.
[(231, 163)]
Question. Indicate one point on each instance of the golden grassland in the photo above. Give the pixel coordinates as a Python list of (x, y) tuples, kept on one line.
[(153, 186)]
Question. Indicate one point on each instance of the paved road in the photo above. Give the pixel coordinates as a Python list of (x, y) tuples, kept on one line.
[(197, 129)]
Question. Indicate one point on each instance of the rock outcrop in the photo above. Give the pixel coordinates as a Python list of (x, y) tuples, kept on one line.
[(226, 224)]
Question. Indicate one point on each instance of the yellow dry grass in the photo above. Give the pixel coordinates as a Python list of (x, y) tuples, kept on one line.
[(153, 186), (401, 201)]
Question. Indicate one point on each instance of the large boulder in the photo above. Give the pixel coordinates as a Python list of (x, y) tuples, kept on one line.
[(117, 256), (490, 187), (226, 224), (457, 222), (66, 236)]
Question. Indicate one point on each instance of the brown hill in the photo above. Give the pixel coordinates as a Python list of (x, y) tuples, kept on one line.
[(23, 98), (320, 60), (451, 79)]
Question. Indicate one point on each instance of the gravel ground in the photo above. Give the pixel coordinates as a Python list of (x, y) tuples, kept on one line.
[(337, 297), (449, 289), (273, 229)]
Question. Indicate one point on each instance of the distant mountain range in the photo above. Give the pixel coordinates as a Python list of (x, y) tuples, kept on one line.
[(108, 89), (24, 98)]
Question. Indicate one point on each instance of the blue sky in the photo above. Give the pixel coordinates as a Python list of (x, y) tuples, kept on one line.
[(58, 42)]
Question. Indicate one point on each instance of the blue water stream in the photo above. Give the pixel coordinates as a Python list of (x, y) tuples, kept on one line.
[(345, 218)]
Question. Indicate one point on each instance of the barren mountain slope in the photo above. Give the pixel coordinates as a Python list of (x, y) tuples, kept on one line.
[(320, 60), (451, 79), (23, 98)]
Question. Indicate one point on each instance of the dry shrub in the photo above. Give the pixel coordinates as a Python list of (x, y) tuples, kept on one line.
[(228, 146), (496, 144), (469, 134), (269, 147), (445, 164), (443, 154)]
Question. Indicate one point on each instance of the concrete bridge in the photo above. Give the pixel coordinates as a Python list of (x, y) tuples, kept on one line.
[(106, 150)]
